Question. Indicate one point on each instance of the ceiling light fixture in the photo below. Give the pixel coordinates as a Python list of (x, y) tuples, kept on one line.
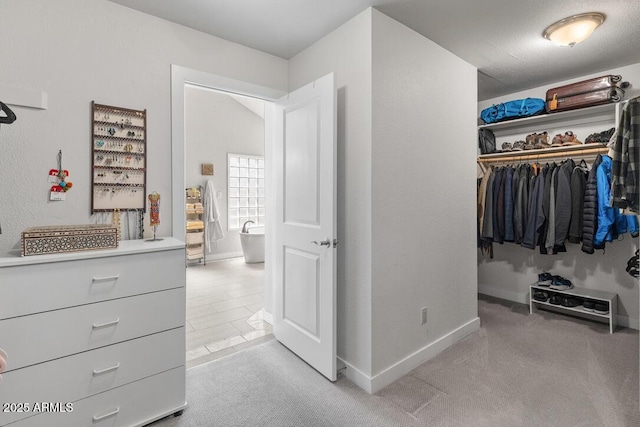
[(574, 29)]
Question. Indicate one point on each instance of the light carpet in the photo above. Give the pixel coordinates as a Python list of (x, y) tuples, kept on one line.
[(538, 370)]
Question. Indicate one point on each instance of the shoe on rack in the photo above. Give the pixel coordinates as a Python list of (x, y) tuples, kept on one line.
[(601, 138), (544, 279), (569, 138), (557, 141), (561, 284), (569, 301), (542, 141), (588, 305), (506, 146), (554, 299), (539, 295), (601, 307), (518, 146), (530, 141)]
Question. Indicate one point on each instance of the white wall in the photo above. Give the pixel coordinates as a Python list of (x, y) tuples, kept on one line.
[(82, 50), (215, 125), (423, 192), (401, 98), (347, 52), (514, 268)]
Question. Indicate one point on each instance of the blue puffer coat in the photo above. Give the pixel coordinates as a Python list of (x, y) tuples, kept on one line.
[(610, 221)]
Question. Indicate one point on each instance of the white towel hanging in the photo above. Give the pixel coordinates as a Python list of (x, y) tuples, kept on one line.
[(212, 218)]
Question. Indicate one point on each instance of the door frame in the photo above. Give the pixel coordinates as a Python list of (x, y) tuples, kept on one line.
[(181, 76)]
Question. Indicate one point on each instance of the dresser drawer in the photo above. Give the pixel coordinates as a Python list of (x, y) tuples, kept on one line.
[(85, 374), (37, 288), (132, 405), (41, 337)]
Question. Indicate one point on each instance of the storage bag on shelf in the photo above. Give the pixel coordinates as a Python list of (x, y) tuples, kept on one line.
[(513, 110)]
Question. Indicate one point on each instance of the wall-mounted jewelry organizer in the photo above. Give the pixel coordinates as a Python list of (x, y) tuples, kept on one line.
[(119, 158)]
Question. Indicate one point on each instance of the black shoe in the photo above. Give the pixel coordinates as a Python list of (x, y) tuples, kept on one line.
[(601, 307), (539, 295), (588, 305), (554, 299), (568, 301)]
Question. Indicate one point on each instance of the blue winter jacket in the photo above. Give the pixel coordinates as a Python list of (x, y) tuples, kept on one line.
[(608, 215)]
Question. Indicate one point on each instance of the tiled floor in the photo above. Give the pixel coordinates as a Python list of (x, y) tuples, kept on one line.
[(224, 309)]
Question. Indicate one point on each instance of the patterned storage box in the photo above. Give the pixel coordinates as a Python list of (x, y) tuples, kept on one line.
[(68, 238)]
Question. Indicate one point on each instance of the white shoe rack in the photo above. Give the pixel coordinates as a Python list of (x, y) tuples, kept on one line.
[(608, 297)]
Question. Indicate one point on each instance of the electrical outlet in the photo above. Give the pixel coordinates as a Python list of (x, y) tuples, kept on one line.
[(424, 315)]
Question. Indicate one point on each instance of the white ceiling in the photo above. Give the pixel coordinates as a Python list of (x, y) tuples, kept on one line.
[(503, 38)]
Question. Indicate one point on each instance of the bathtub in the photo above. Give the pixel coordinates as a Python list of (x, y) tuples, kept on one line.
[(253, 245)]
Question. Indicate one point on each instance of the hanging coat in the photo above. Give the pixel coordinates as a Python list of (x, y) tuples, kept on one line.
[(590, 219)]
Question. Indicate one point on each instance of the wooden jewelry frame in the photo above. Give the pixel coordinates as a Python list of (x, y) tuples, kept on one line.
[(118, 158)]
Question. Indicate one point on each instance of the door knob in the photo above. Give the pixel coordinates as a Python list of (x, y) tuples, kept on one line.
[(326, 242)]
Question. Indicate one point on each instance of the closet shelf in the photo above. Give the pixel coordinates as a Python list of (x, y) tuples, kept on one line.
[(583, 114), (545, 153)]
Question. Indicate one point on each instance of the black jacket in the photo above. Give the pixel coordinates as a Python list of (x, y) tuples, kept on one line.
[(590, 212), (578, 184), (498, 207), (563, 202)]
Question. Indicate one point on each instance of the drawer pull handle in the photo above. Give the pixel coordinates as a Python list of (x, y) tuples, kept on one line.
[(105, 279), (102, 417), (105, 370), (104, 325)]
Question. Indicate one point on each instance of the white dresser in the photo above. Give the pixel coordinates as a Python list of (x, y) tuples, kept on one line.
[(94, 338)]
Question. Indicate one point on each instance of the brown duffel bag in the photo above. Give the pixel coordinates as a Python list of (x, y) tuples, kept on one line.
[(587, 93)]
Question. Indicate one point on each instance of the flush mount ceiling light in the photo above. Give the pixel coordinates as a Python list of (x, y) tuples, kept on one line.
[(574, 29)]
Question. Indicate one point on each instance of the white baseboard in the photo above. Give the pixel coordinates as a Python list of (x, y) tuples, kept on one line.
[(501, 293), (373, 384), (628, 322), (267, 317), (523, 298), (356, 376)]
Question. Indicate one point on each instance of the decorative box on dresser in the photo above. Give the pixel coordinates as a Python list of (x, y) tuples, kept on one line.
[(94, 338)]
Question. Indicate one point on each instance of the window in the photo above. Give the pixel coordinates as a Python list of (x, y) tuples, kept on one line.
[(246, 190)]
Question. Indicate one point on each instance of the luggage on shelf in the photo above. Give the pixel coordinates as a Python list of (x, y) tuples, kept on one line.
[(586, 93), (513, 110)]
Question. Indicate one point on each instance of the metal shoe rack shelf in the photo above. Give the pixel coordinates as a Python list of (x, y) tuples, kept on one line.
[(608, 297)]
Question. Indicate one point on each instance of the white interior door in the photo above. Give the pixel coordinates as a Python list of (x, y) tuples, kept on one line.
[(305, 222)]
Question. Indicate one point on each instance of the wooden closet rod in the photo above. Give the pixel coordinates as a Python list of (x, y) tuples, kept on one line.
[(592, 151)]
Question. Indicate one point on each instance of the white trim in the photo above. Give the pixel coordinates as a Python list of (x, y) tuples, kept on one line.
[(24, 97), (356, 376), (179, 77), (398, 370), (501, 293), (522, 298), (267, 317), (409, 363)]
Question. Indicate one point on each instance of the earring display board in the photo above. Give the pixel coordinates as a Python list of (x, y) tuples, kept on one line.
[(119, 158)]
